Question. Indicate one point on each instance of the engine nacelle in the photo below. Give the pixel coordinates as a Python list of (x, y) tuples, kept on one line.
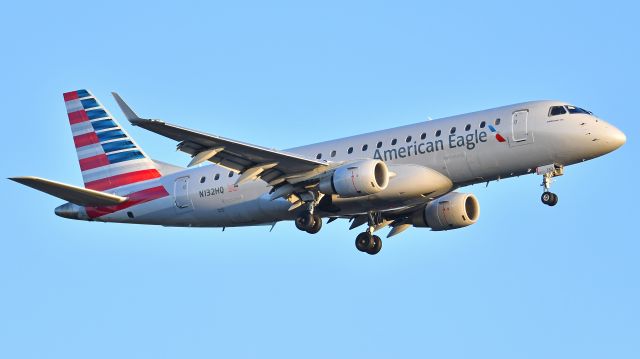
[(356, 179), (454, 210)]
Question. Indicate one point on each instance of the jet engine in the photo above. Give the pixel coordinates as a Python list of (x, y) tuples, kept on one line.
[(356, 179), (454, 210)]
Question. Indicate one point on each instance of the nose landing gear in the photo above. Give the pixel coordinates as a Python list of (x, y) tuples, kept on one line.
[(549, 198), (548, 172)]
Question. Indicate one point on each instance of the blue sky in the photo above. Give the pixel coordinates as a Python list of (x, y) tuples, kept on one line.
[(527, 281)]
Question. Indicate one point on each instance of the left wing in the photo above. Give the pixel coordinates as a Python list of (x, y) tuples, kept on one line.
[(272, 166)]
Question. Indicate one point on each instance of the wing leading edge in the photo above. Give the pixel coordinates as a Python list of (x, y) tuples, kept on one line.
[(272, 166)]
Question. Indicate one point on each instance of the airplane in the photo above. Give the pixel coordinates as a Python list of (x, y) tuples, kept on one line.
[(400, 177)]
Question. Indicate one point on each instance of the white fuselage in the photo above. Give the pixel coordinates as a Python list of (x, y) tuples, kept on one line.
[(206, 196)]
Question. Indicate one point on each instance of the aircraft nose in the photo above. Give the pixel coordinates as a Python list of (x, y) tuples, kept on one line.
[(614, 138)]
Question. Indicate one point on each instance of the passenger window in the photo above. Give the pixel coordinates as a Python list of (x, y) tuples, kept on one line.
[(230, 173), (482, 124), (497, 121), (202, 179), (467, 127), (557, 110), (333, 153), (393, 142), (438, 133), (319, 156), (364, 147), (408, 139), (423, 136), (350, 150), (217, 177), (379, 144), (453, 130)]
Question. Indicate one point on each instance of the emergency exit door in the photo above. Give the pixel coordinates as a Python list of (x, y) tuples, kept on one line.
[(181, 194)]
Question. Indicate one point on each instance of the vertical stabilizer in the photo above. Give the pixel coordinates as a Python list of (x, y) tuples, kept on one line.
[(108, 156)]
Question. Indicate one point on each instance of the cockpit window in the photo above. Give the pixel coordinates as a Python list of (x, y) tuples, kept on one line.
[(557, 110), (573, 109)]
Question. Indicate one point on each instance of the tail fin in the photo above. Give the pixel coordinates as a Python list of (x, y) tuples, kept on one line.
[(108, 156)]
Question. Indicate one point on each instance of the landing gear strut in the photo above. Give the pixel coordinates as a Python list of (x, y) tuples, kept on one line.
[(548, 172), (368, 242)]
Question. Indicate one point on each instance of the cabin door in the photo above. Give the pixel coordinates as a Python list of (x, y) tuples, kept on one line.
[(519, 125)]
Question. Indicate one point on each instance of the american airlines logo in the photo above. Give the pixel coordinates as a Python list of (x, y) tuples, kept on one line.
[(498, 135)]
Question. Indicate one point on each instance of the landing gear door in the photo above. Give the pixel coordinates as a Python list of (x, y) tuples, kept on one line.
[(181, 195)]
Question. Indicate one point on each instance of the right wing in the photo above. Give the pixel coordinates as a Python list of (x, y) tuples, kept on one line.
[(272, 166)]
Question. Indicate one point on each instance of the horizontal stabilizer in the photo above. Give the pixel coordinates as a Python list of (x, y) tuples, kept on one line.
[(78, 195)]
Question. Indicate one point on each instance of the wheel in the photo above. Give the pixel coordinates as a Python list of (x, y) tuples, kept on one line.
[(549, 198), (304, 221), (377, 245), (362, 241), (317, 224)]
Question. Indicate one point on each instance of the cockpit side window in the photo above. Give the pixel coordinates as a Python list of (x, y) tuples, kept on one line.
[(573, 109), (557, 110)]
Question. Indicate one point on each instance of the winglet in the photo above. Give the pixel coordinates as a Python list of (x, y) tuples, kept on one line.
[(128, 112)]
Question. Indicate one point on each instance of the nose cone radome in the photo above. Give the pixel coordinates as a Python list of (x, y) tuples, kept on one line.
[(614, 138)]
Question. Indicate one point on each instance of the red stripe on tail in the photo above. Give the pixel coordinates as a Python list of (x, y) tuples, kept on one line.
[(134, 198), (77, 117), (68, 96), (93, 162), (123, 179), (85, 139)]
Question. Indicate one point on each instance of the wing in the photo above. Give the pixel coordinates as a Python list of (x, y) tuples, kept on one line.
[(272, 166)]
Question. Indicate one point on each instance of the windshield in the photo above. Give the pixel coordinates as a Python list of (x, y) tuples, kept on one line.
[(573, 109), (561, 110)]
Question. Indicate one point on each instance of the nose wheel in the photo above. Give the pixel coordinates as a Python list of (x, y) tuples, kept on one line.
[(548, 172), (549, 198)]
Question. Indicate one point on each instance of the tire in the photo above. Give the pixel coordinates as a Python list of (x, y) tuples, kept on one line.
[(317, 225), (546, 198), (362, 241), (554, 200), (377, 245), (304, 221)]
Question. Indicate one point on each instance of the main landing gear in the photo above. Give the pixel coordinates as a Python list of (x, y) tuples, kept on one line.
[(309, 222), (368, 242), (548, 172)]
